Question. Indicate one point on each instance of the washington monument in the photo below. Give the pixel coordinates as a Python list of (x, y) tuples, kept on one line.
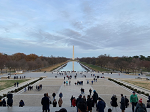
[(73, 54)]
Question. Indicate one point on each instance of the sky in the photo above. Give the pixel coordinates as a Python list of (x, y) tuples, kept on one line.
[(94, 27)]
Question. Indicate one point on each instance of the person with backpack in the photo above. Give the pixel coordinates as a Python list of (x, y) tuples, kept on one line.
[(126, 102), (140, 107), (90, 91)]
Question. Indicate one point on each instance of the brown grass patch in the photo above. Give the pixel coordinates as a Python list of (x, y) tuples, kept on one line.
[(2, 83), (51, 67), (139, 82)]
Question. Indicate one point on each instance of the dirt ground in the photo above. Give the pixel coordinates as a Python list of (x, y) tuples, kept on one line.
[(139, 82)]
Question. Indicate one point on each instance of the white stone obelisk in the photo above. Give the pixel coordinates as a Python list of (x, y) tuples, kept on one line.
[(73, 53)]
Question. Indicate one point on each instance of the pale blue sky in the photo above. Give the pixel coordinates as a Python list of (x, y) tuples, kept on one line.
[(94, 27)]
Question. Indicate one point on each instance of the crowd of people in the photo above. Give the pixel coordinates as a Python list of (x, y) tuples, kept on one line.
[(21, 77)]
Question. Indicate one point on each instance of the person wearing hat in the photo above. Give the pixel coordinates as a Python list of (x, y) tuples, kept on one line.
[(140, 107), (101, 105), (133, 100)]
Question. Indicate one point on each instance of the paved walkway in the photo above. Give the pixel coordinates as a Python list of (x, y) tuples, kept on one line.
[(104, 88)]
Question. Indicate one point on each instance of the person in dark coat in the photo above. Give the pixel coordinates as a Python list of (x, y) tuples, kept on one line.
[(114, 101), (82, 107), (21, 103), (126, 102), (54, 103), (89, 103), (62, 110), (101, 105), (9, 99), (122, 103), (90, 91), (140, 107), (60, 95), (79, 99), (54, 94), (148, 102), (17, 84), (45, 103), (4, 103), (95, 97), (92, 102), (71, 100)]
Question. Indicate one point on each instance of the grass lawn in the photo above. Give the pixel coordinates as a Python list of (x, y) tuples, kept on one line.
[(139, 82), (96, 68), (51, 67), (8, 83)]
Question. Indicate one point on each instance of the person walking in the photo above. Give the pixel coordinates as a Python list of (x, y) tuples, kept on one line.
[(71, 100), (140, 107), (17, 84), (90, 91), (122, 103), (133, 100), (95, 97), (54, 94), (10, 99), (14, 84), (45, 103), (74, 102), (64, 83), (101, 105), (92, 82), (82, 91), (79, 99), (60, 95), (60, 101), (49, 101), (126, 102), (89, 104)]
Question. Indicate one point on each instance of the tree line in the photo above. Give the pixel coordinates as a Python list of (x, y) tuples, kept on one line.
[(124, 64), (21, 61)]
